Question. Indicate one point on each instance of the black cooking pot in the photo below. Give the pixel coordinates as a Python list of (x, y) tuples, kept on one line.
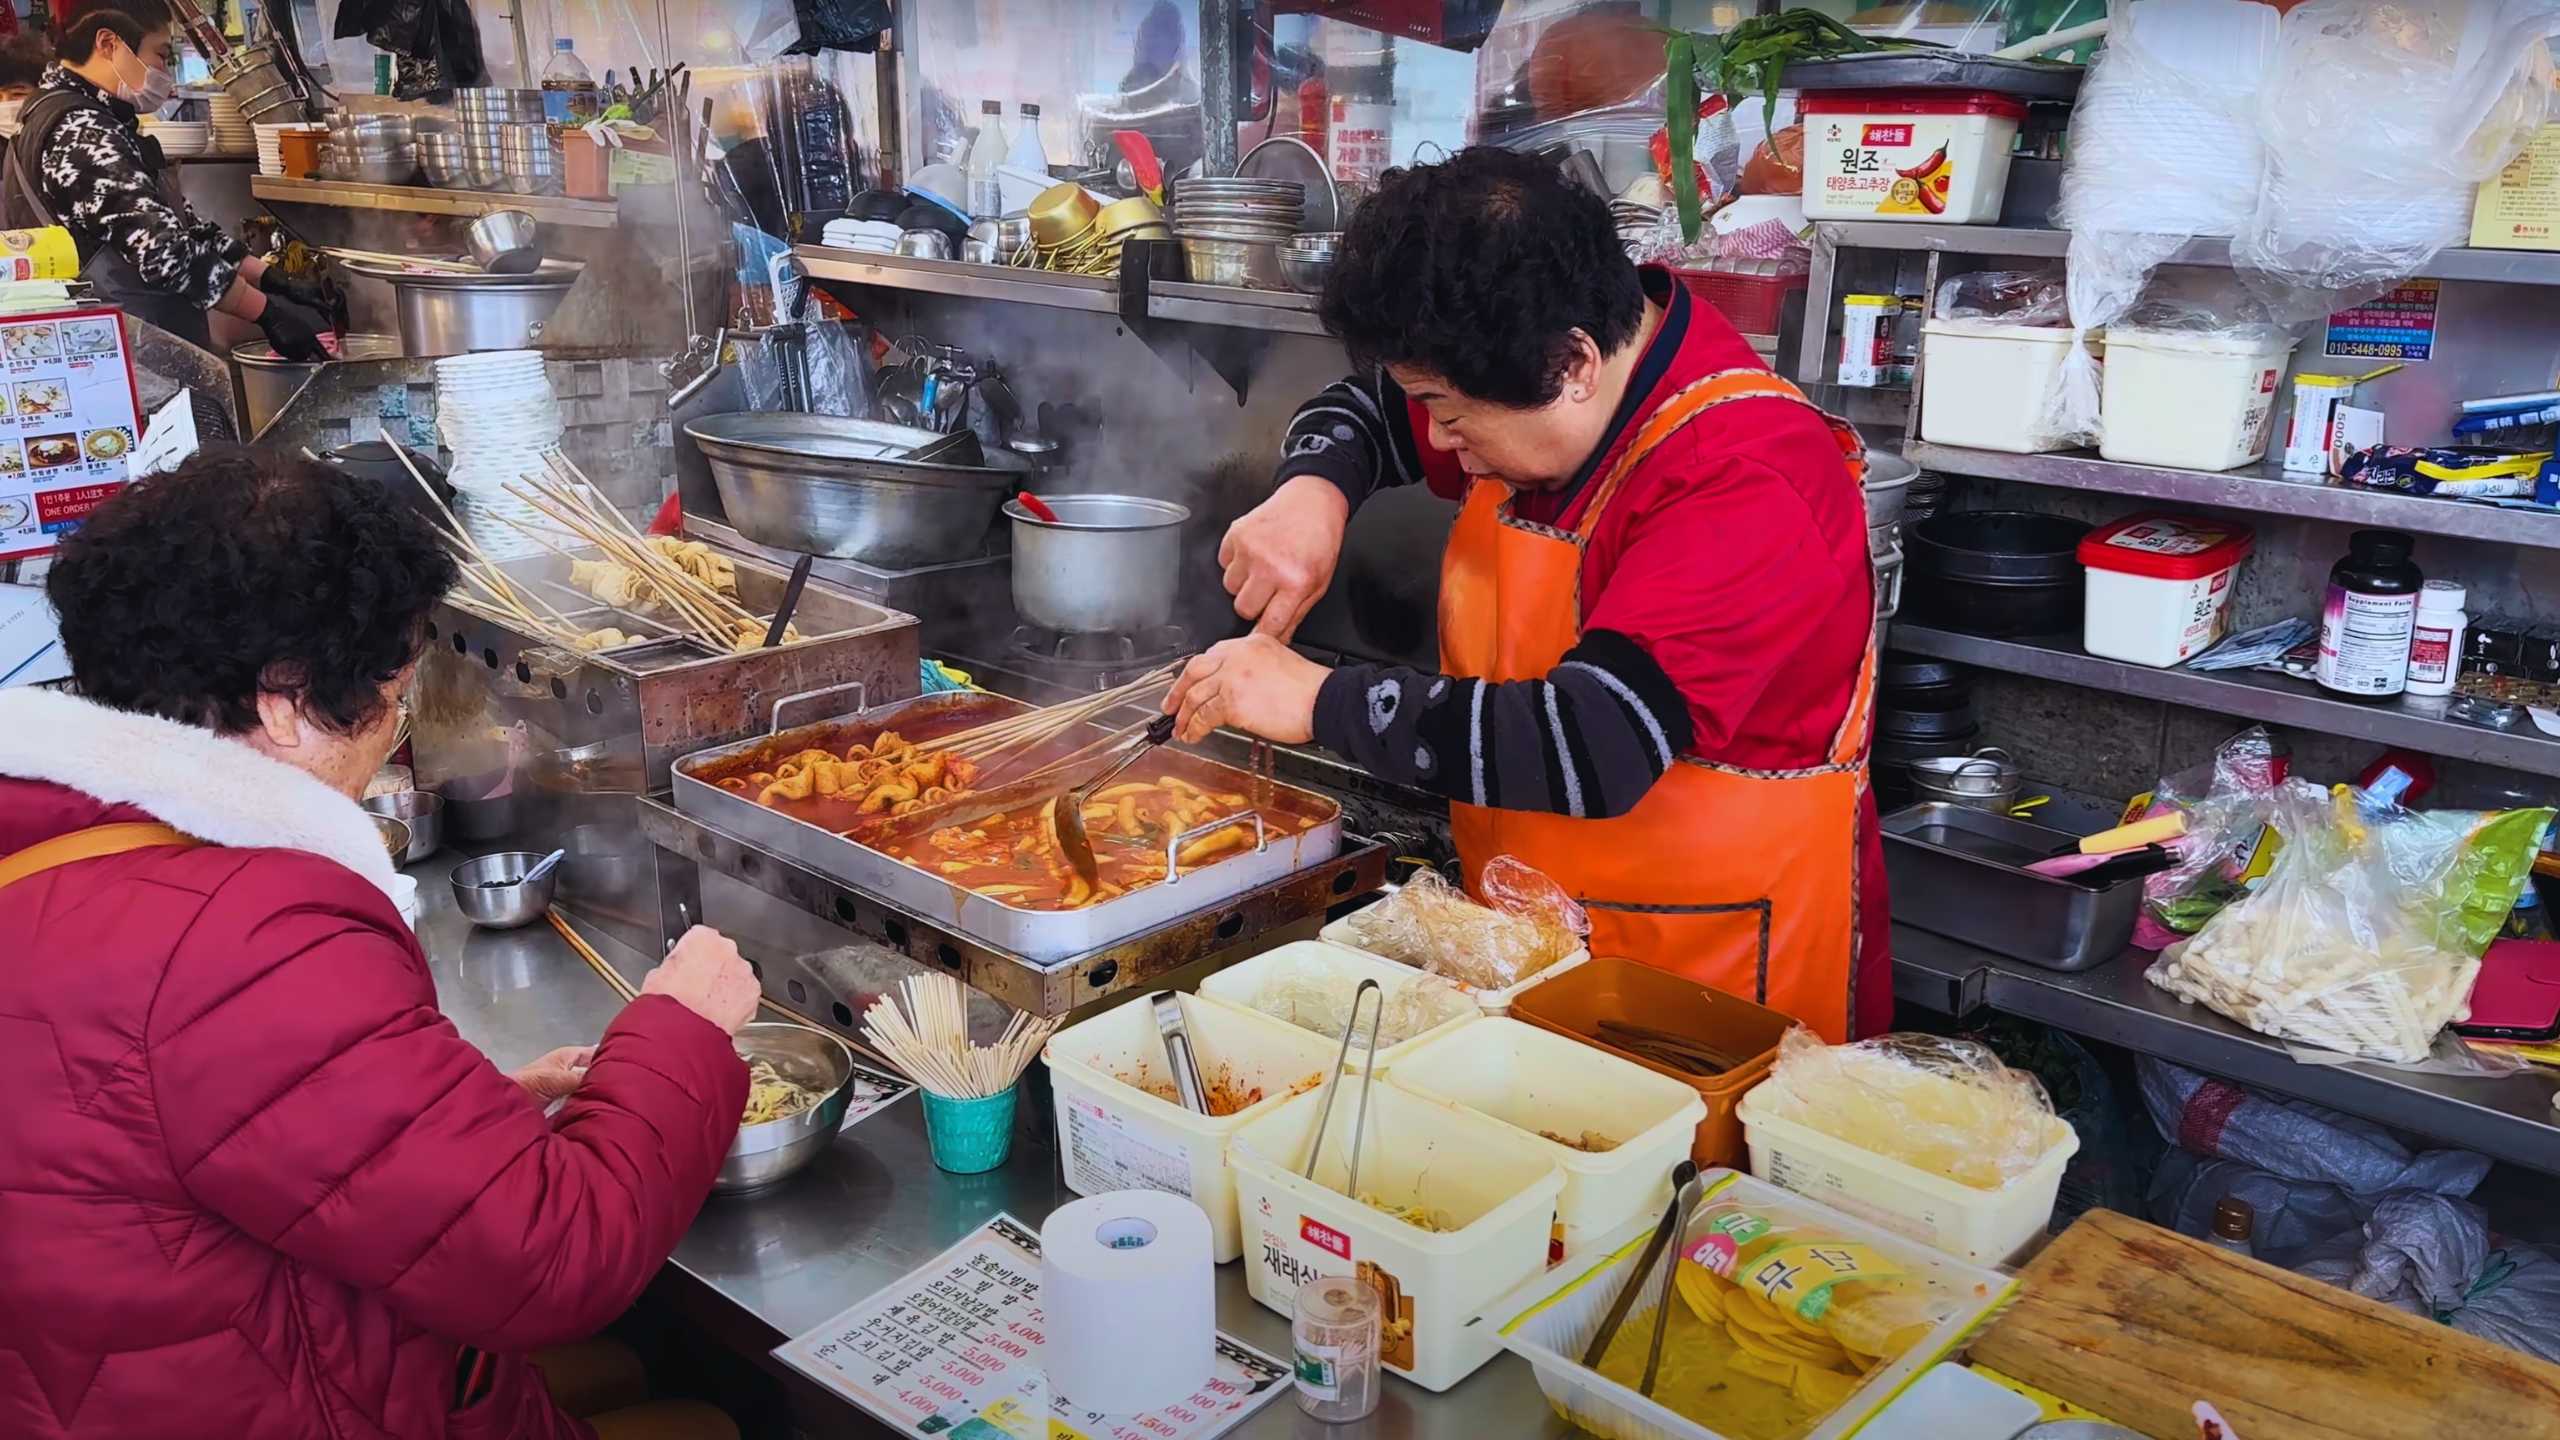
[(1927, 724), (1909, 682), (1994, 572)]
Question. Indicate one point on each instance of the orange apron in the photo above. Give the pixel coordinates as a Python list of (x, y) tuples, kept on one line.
[(1744, 880)]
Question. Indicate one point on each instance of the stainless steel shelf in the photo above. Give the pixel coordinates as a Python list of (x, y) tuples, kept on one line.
[(2509, 267), (425, 200), (1286, 313), (2509, 1119), (953, 277), (2263, 489), (2254, 695)]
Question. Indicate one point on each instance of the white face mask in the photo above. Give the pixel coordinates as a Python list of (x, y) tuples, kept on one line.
[(151, 92), (9, 116)]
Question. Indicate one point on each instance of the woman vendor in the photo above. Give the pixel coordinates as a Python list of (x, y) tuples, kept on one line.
[(252, 1183), (1656, 608), (79, 159)]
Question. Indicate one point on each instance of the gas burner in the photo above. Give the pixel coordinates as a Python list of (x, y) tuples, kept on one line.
[(1092, 663)]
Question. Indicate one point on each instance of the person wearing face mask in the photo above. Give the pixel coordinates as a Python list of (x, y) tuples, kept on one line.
[(1656, 609), (252, 1182), (23, 59), (81, 161)]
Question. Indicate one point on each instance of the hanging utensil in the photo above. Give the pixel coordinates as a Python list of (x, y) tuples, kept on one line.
[(1037, 506), (1067, 811), (1179, 1057), (1684, 1179), (791, 589)]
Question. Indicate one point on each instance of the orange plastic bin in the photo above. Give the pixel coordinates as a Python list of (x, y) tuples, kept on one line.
[(1611, 1003)]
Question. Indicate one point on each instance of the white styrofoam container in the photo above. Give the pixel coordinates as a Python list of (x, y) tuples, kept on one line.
[(1986, 1227), (1982, 384), (1337, 966), (1113, 1135), (1537, 1081), (1342, 932), (1550, 1326), (2189, 401), (1496, 1187)]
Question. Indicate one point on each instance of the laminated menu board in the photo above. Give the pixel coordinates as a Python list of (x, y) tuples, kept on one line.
[(954, 1350), (68, 411)]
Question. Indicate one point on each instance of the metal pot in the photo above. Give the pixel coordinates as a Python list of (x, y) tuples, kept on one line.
[(841, 488), (268, 382), (1983, 780), (1108, 565), (454, 314)]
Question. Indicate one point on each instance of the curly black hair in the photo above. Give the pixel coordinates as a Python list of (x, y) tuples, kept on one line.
[(188, 593), (1480, 269)]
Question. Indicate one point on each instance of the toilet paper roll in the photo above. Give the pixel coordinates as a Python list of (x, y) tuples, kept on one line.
[(1128, 1301)]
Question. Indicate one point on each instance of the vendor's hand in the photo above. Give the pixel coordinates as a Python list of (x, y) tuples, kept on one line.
[(310, 294), (1256, 684), (1280, 557), (706, 975), (294, 330), (558, 1075)]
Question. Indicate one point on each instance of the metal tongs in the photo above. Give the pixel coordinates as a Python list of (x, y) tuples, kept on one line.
[(1067, 811), (1179, 1057), (1333, 1086), (1685, 1192)]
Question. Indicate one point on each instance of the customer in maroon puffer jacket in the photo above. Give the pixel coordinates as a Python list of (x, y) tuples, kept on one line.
[(252, 1183)]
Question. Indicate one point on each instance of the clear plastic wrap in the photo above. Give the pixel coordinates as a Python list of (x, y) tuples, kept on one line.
[(2366, 935), (2003, 297), (2227, 802), (1524, 923), (2379, 117), (1949, 1107), (1318, 999)]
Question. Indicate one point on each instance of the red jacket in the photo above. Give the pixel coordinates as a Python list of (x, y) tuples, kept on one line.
[(252, 1183)]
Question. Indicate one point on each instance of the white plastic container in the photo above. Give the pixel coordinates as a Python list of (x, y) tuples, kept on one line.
[(2159, 587), (1934, 156), (2189, 400), (1544, 1085), (1551, 1325), (1491, 1002), (1982, 383), (1493, 1187), (1339, 969), (1114, 1135), (1986, 1227)]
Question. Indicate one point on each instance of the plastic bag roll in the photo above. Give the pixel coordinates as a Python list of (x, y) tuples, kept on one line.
[(1128, 1301)]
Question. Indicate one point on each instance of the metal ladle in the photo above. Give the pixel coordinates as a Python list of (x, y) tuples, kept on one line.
[(1067, 811)]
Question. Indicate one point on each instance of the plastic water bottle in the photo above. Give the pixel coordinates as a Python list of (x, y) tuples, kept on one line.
[(986, 153), (1027, 153), (568, 86)]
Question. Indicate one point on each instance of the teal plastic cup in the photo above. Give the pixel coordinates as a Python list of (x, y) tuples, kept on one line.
[(969, 1137)]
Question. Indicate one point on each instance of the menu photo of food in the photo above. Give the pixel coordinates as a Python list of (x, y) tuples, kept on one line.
[(13, 513), (82, 339), (46, 452), (31, 342), (108, 443), (13, 458), (42, 397)]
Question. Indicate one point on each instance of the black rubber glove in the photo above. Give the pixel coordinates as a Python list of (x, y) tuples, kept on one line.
[(294, 330)]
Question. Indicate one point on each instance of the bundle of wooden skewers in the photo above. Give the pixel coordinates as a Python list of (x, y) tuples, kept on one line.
[(629, 992), (1011, 744), (927, 1039)]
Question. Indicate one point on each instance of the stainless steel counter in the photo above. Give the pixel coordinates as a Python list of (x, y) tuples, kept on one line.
[(873, 1207)]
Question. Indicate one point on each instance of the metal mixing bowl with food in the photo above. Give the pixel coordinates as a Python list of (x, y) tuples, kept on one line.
[(492, 892), (806, 1077)]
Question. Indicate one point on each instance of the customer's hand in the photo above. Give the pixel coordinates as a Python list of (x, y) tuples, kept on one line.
[(558, 1075), (1280, 557), (706, 975), (294, 330)]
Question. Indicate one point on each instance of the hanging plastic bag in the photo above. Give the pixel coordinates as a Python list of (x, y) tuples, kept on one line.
[(2367, 933), (1949, 1107)]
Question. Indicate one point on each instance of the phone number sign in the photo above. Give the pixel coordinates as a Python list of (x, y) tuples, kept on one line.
[(2400, 325)]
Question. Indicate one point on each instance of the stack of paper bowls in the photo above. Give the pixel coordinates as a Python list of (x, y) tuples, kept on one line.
[(179, 139), (271, 145), (496, 414), (878, 237), (231, 133)]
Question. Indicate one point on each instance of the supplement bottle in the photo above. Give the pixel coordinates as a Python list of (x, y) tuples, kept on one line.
[(2369, 618)]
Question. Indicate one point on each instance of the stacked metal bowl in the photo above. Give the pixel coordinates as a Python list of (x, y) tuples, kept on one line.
[(527, 162), (483, 115), (375, 149), (1231, 228), (440, 154)]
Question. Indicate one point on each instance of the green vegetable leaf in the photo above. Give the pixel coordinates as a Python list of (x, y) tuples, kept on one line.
[(1681, 129)]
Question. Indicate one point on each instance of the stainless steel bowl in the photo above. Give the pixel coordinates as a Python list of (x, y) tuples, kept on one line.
[(1248, 262), (924, 245), (1306, 274), (268, 383), (422, 812), (1108, 565), (823, 485), (518, 182), (394, 833), (774, 1151), (449, 314), (1984, 780), (491, 892), (505, 242)]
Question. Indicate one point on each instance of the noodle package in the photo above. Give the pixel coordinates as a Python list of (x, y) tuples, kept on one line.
[(1524, 924)]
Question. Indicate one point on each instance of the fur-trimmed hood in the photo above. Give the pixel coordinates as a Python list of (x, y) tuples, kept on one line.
[(210, 786)]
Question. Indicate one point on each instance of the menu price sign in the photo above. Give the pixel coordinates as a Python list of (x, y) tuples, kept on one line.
[(68, 410), (954, 1350)]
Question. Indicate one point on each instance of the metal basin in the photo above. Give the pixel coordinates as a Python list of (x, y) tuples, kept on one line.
[(825, 485), (772, 1152), (443, 313), (491, 892), (268, 382), (1109, 564), (420, 810)]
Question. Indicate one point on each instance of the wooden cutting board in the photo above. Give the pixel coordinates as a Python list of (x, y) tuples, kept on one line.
[(2138, 1323)]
